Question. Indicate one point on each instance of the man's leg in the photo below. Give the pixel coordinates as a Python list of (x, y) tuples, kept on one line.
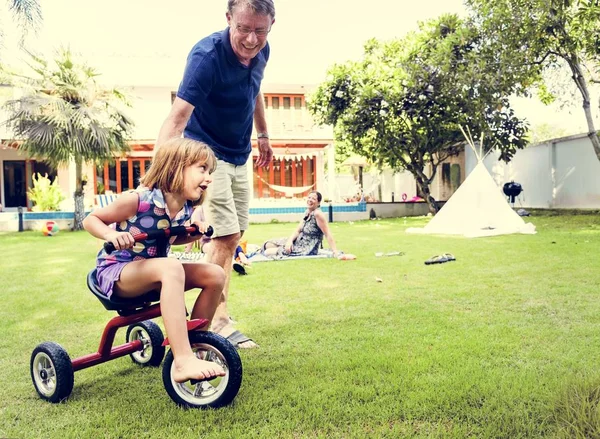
[(227, 210), (220, 252)]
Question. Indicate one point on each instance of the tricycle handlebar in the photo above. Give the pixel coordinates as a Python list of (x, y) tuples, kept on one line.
[(192, 230)]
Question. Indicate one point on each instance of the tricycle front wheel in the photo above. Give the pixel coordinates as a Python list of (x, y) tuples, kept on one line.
[(214, 393), (52, 372)]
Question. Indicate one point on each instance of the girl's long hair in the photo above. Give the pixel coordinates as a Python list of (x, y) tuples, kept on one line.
[(166, 170)]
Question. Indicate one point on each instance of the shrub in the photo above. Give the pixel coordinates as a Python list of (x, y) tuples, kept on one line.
[(45, 195)]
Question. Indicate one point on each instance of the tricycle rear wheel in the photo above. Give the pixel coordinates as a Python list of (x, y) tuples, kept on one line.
[(152, 338)]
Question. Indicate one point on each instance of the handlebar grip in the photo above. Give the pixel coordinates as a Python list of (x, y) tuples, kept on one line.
[(209, 231), (109, 247)]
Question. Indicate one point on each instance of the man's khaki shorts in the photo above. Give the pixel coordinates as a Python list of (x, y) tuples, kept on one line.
[(228, 198)]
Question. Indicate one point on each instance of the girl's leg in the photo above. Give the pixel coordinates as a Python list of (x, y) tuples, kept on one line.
[(168, 274), (211, 279)]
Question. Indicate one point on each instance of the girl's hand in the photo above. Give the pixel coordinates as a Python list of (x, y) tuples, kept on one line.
[(288, 246), (202, 226), (121, 240)]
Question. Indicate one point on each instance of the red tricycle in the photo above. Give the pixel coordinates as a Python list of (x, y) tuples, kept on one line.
[(52, 370)]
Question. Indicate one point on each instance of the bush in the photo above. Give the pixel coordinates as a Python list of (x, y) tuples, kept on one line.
[(45, 195)]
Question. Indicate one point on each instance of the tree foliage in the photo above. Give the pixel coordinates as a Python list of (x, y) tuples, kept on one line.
[(404, 103), (46, 195), (64, 114), (26, 14), (528, 37)]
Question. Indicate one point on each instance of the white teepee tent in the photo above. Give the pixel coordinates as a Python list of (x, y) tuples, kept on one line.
[(477, 208)]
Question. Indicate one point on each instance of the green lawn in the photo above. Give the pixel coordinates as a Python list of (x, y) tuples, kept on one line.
[(502, 343)]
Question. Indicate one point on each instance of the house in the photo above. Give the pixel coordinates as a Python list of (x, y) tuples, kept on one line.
[(300, 148), (298, 145)]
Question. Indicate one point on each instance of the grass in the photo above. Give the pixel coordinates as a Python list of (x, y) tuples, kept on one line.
[(502, 343)]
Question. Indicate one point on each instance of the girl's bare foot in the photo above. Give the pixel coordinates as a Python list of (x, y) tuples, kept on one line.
[(192, 368)]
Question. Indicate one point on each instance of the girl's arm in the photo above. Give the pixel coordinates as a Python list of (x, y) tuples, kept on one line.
[(185, 239), (324, 226), (198, 219), (123, 208)]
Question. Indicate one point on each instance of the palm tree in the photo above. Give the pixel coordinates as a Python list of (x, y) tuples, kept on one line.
[(64, 115), (26, 13)]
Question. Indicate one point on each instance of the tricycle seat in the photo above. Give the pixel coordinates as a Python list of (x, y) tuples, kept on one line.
[(117, 303)]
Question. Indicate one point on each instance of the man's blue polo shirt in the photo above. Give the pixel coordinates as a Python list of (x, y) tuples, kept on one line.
[(223, 92)]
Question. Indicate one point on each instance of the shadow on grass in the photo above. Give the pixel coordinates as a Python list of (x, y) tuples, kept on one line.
[(109, 384)]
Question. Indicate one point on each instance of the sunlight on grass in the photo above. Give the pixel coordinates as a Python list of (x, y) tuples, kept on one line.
[(503, 342)]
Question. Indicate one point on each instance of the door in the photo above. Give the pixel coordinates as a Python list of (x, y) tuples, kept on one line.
[(15, 188)]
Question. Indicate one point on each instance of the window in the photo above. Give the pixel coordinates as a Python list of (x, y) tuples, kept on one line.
[(300, 173), (298, 103), (100, 188), (277, 174), (446, 173), (266, 102), (310, 172), (286, 103), (122, 175), (455, 176), (112, 178), (275, 102)]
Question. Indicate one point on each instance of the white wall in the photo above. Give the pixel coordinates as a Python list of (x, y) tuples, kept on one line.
[(561, 173), (150, 106)]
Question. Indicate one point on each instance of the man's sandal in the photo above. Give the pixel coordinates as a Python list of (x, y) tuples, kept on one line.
[(439, 259)]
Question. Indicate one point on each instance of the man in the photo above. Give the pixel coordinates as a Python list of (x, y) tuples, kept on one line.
[(217, 101)]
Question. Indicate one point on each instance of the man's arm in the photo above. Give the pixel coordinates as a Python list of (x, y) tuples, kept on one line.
[(175, 122), (265, 152)]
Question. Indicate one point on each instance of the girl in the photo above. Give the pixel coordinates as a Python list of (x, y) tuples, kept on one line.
[(176, 181), (308, 236)]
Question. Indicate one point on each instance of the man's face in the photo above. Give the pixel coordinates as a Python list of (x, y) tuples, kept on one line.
[(248, 32)]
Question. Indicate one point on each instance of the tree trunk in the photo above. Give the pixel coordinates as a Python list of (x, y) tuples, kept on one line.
[(582, 86), (79, 212), (433, 205)]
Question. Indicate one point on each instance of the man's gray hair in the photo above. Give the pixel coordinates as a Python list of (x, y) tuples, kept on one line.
[(261, 7)]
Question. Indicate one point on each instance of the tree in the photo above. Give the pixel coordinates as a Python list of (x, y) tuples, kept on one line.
[(64, 116), (404, 103), (530, 36), (544, 131), (26, 13)]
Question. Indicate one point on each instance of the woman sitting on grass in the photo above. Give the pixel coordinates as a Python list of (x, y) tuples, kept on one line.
[(308, 236)]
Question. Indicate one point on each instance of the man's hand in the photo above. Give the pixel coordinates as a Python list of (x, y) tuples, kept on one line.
[(265, 153)]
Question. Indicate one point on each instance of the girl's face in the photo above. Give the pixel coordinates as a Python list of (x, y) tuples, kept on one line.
[(196, 179), (312, 201)]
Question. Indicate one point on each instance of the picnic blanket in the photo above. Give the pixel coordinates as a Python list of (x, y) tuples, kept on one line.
[(259, 256), (255, 254)]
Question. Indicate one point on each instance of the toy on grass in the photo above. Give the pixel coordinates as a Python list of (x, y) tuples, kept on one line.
[(50, 228)]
